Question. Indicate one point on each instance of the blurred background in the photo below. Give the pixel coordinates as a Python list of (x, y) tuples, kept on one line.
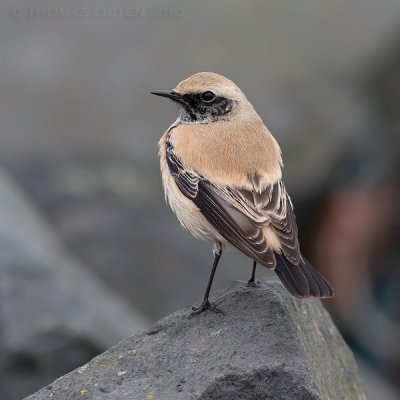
[(89, 253)]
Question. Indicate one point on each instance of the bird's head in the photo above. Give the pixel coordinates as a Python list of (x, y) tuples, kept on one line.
[(207, 97)]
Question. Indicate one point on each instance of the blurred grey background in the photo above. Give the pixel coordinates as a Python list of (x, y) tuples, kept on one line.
[(79, 132)]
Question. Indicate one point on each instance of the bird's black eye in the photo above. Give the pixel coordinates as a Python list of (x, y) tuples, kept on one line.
[(207, 96)]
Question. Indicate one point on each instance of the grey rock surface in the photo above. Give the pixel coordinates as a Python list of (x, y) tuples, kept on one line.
[(54, 315), (267, 345)]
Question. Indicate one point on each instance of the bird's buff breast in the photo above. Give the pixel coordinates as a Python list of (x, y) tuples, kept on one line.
[(186, 211)]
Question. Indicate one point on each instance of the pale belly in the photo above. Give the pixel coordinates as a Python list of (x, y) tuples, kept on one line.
[(186, 211)]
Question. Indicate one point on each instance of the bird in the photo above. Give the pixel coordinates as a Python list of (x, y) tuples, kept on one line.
[(221, 170)]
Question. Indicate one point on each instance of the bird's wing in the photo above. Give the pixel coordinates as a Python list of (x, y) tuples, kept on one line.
[(239, 215), (271, 206)]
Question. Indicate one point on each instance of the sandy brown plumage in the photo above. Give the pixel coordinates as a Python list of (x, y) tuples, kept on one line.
[(221, 170), (222, 152)]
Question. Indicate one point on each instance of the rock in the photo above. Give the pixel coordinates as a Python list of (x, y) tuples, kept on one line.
[(54, 315), (267, 345)]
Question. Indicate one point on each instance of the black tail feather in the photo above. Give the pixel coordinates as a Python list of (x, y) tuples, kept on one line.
[(292, 277), (302, 280), (324, 286)]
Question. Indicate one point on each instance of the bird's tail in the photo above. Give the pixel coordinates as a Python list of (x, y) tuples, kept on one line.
[(302, 280)]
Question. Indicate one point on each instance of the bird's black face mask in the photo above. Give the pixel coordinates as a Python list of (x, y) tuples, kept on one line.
[(200, 107)]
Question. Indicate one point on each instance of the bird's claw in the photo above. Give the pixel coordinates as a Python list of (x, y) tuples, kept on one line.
[(205, 305), (252, 283)]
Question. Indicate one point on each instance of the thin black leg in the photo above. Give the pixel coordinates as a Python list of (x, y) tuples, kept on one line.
[(205, 305), (252, 280)]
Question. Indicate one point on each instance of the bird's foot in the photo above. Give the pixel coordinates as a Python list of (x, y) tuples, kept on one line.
[(205, 305), (252, 283)]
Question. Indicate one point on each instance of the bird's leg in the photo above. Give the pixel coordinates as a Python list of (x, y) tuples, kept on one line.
[(205, 305), (252, 281)]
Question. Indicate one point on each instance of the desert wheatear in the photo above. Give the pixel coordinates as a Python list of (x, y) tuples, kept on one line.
[(221, 171)]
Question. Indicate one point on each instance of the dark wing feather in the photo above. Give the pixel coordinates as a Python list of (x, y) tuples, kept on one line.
[(238, 215), (273, 206), (233, 225), (236, 227)]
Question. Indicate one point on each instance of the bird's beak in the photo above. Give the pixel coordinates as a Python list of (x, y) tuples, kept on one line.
[(168, 93)]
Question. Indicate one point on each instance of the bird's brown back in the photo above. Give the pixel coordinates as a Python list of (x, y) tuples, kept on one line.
[(237, 152)]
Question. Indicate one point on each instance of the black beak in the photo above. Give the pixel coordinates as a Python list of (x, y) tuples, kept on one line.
[(168, 93)]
